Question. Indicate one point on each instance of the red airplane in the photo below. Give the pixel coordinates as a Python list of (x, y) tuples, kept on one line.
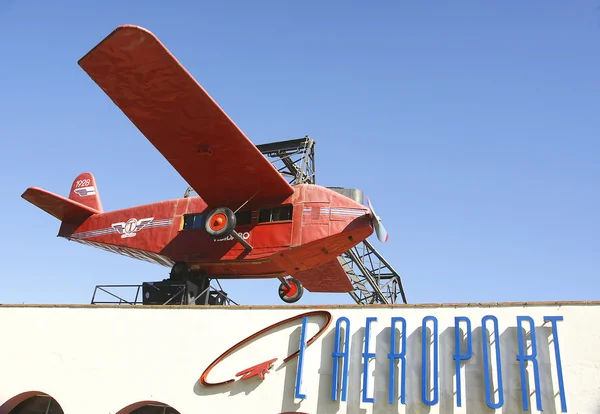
[(247, 222)]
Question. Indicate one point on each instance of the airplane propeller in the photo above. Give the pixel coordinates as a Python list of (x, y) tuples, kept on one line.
[(382, 234)]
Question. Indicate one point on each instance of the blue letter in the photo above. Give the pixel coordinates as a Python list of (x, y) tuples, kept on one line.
[(561, 385), (425, 353), (458, 356), (522, 357), (393, 356), (486, 366), (366, 356), (337, 354), (301, 358)]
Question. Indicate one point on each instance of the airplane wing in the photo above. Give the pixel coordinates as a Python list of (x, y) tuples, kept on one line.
[(329, 277), (181, 120), (57, 206)]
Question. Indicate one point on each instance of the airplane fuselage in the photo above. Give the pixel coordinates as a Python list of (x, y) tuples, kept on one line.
[(311, 227)]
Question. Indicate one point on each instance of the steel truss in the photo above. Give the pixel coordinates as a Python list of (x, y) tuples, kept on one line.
[(373, 278)]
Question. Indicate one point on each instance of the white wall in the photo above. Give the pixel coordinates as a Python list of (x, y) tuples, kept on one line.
[(99, 360)]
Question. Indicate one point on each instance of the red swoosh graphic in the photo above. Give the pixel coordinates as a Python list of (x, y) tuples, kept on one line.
[(240, 344)]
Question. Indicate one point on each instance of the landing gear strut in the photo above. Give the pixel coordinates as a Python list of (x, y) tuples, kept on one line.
[(290, 290)]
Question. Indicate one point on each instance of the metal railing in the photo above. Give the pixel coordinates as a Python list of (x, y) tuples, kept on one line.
[(133, 295)]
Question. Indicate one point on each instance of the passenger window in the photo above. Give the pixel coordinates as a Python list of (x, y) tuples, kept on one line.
[(243, 218), (264, 215), (283, 213), (196, 221)]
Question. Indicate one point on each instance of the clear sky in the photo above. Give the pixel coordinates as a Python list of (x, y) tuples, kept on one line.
[(472, 125)]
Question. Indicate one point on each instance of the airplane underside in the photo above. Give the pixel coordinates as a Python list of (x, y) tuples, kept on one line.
[(313, 266)]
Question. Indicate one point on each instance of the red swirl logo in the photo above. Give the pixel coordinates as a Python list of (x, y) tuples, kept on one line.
[(261, 369)]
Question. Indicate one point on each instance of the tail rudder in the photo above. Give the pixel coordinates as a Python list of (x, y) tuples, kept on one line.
[(85, 191)]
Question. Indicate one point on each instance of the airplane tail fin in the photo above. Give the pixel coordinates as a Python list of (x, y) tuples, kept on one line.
[(83, 199), (85, 191)]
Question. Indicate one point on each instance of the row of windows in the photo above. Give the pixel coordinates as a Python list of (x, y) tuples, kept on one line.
[(282, 213), (265, 215), (44, 404)]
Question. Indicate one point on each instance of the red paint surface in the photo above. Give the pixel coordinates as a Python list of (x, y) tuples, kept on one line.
[(258, 370), (163, 240), (181, 120), (210, 152), (57, 206), (322, 277)]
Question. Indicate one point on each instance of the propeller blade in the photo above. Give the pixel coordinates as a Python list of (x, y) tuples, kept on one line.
[(382, 234)]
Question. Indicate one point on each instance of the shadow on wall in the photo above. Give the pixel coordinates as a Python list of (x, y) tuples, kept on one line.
[(31, 402)]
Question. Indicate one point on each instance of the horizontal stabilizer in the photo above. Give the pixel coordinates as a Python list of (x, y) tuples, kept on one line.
[(328, 277), (57, 206)]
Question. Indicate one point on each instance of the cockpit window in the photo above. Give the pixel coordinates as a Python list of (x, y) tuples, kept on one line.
[(193, 221)]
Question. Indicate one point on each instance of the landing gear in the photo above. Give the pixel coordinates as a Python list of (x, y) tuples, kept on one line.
[(290, 290)]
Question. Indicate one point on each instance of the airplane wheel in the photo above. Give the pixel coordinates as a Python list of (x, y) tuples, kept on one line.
[(220, 223), (179, 271), (293, 293)]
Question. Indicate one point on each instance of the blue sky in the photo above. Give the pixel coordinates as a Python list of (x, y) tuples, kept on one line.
[(472, 125)]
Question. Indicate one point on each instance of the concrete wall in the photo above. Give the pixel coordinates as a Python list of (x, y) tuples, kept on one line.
[(101, 360)]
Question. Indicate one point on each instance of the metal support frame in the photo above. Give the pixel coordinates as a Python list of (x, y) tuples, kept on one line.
[(294, 159), (374, 279), (132, 295)]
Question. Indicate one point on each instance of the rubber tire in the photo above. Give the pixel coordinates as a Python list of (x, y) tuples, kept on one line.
[(225, 231), (296, 296), (179, 271)]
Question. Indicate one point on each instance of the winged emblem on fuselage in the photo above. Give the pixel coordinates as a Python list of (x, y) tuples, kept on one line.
[(130, 227)]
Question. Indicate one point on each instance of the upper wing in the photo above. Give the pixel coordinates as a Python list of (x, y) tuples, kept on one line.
[(181, 120)]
